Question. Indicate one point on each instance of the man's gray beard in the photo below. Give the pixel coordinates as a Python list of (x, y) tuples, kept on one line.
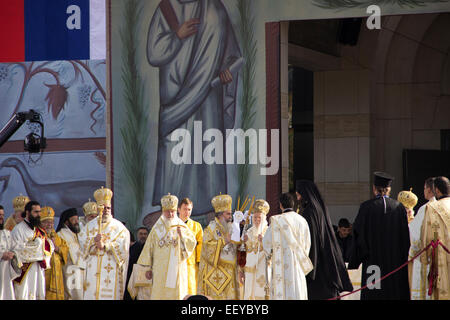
[(106, 218), (225, 225)]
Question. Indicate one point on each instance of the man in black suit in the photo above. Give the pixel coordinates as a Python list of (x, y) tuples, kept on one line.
[(135, 252)]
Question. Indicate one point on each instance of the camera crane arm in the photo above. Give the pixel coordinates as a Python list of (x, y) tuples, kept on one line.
[(16, 121)]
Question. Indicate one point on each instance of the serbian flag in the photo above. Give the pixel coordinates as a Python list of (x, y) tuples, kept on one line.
[(46, 30)]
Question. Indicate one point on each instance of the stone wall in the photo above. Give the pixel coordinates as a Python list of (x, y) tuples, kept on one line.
[(388, 93)]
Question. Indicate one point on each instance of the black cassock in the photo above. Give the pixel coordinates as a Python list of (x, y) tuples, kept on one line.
[(135, 252), (329, 277), (381, 238)]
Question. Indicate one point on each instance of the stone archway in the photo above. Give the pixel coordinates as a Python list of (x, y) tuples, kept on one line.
[(409, 106)]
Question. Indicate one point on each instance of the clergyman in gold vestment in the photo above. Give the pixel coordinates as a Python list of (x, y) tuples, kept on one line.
[(165, 253), (54, 281), (19, 203), (437, 220), (218, 274), (184, 213)]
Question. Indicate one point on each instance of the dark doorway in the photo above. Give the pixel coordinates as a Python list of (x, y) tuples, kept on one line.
[(418, 165), (301, 134)]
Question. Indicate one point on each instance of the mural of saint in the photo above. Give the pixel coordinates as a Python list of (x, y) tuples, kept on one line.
[(192, 42)]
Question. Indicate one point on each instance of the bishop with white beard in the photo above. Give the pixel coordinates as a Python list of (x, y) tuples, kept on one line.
[(105, 244), (255, 269), (165, 253)]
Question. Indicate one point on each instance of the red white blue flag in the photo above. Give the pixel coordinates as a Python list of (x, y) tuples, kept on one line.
[(46, 30)]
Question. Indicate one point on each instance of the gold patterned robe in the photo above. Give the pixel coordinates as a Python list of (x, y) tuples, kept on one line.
[(194, 258), (106, 269), (54, 281), (166, 255), (437, 213), (10, 223), (218, 274)]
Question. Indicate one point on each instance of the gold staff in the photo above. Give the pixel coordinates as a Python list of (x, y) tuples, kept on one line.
[(99, 254), (267, 287)]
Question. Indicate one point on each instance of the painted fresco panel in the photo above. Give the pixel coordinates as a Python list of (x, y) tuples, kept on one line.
[(160, 84), (71, 99)]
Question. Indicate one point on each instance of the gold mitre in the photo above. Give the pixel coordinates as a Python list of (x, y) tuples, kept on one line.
[(20, 202), (222, 203), (408, 199), (90, 208), (169, 203), (103, 196), (262, 206), (47, 213)]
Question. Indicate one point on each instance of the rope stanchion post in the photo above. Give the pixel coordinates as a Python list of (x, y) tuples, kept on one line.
[(435, 263)]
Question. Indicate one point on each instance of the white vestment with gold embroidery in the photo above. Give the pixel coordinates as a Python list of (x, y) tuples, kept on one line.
[(419, 273), (7, 272), (288, 241), (255, 266), (75, 267), (106, 269), (30, 250)]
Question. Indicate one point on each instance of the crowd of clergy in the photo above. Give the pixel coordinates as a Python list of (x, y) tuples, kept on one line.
[(242, 254)]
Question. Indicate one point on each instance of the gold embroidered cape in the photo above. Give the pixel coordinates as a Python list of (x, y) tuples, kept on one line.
[(54, 281), (166, 255), (437, 214), (218, 274)]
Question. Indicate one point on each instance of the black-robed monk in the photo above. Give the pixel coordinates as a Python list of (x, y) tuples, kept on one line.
[(381, 239), (135, 252), (330, 276)]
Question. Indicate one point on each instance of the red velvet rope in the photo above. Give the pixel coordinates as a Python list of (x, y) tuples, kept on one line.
[(434, 270), (444, 247), (431, 277)]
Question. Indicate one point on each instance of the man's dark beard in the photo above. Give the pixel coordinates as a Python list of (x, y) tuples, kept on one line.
[(34, 221), (1, 226), (75, 228)]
